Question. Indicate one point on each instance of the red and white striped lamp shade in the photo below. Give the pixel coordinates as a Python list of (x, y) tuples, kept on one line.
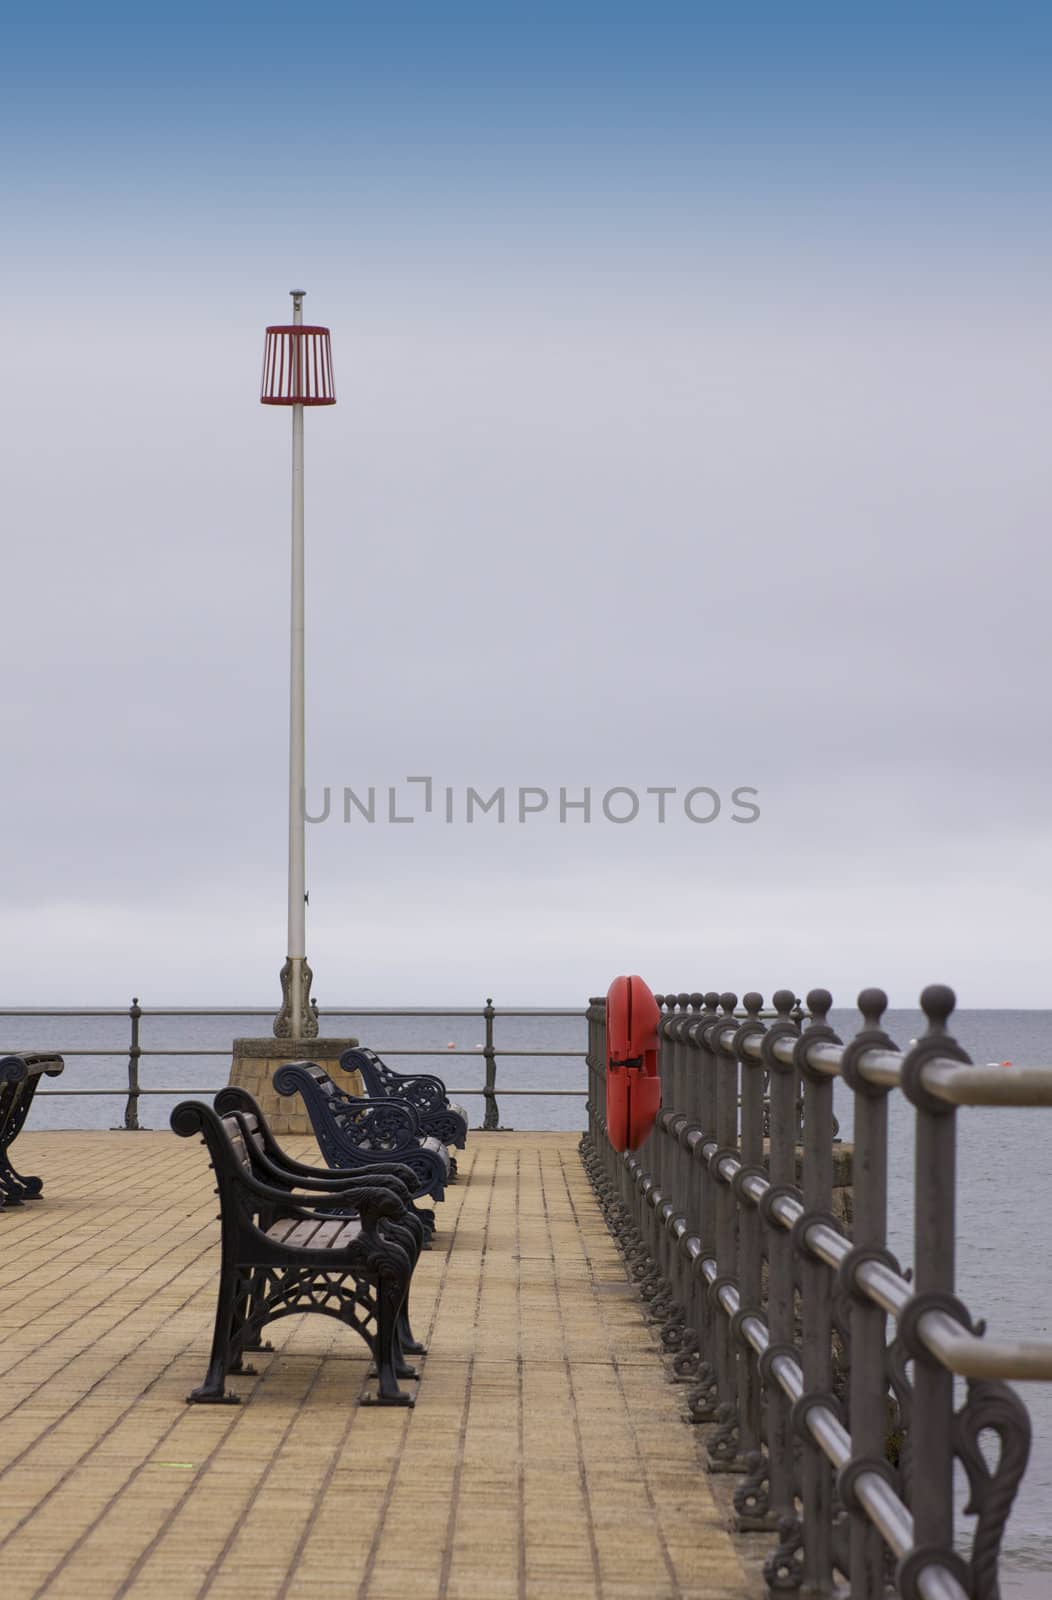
[(297, 367)]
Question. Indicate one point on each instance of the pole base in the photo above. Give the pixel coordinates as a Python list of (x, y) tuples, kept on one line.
[(295, 973)]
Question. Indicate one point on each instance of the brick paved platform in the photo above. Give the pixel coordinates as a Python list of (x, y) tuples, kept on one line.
[(544, 1456)]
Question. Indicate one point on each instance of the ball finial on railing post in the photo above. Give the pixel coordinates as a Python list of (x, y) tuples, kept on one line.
[(937, 1002), (783, 1001), (819, 1004), (872, 1003)]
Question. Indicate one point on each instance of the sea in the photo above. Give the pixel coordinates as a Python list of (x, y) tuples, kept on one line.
[(1004, 1257)]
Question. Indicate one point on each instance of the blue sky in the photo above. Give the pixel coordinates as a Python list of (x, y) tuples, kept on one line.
[(693, 376), (647, 128), (621, 96)]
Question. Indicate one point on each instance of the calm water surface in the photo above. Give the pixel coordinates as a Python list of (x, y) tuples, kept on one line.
[(1005, 1155)]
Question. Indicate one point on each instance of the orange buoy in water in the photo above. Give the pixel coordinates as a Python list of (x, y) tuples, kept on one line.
[(633, 1087)]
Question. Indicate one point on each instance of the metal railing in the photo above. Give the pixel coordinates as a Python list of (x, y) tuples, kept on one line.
[(137, 1051), (778, 1316)]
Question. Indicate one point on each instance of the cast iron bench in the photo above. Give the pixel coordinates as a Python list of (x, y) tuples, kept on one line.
[(19, 1076), (425, 1092), (293, 1243), (364, 1133)]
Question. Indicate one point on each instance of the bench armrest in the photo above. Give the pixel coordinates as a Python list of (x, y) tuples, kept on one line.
[(376, 1197), (29, 1064)]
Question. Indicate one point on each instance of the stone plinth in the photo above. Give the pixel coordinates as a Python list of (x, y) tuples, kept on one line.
[(255, 1062)]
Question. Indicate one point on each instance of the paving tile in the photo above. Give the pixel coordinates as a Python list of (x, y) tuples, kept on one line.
[(544, 1457)]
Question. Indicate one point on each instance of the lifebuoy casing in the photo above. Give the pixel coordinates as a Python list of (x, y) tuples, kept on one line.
[(633, 1087)]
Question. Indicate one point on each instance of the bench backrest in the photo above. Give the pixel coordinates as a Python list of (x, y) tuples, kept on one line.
[(376, 1074), (230, 1153), (343, 1121), (424, 1091), (370, 1124), (237, 1139)]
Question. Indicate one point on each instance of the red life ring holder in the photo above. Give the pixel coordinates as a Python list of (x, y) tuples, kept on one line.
[(633, 1087)]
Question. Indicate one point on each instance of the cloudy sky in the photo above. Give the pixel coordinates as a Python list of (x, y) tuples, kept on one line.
[(693, 432)]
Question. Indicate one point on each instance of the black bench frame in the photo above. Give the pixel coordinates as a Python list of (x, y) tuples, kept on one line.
[(425, 1092), (19, 1077), (362, 1281)]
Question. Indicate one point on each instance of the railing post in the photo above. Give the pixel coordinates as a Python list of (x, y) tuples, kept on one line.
[(751, 1497), (491, 1119), (723, 1447), (868, 1363), (131, 1109), (704, 1401), (639, 1179), (685, 1342), (591, 1105), (816, 1299), (934, 1240), (782, 1568), (667, 1305), (798, 1016)]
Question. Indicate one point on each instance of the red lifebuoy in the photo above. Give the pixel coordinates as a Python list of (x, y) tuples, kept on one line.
[(633, 1088)]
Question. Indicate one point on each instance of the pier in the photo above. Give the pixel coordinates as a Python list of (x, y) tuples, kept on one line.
[(692, 1367)]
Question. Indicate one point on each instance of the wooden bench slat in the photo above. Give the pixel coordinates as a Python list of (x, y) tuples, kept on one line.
[(332, 1234)]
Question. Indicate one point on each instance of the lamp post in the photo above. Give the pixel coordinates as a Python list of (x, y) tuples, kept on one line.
[(297, 372)]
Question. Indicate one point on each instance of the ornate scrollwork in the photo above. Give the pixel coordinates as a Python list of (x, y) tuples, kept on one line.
[(283, 1020), (703, 1402), (898, 1449), (661, 1303), (686, 1363), (268, 1293), (723, 1446), (752, 1498), (993, 1407), (840, 1535), (674, 1328), (783, 1570), (638, 1261), (840, 1309)]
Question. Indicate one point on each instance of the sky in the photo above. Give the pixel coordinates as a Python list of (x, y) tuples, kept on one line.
[(694, 396)]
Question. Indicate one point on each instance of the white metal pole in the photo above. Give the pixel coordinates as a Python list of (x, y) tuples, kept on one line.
[(297, 953)]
